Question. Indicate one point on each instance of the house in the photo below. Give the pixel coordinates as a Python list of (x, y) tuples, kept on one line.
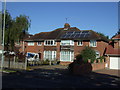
[(113, 53), (19, 46), (64, 43)]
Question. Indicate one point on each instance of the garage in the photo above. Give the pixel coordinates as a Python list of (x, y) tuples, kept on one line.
[(114, 62)]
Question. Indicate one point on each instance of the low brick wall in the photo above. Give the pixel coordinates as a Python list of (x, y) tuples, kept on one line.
[(97, 66), (82, 68), (65, 63)]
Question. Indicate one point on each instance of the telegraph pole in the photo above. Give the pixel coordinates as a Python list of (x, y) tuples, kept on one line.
[(3, 35)]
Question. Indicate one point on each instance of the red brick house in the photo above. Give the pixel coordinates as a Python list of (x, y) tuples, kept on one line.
[(113, 53), (64, 43), (19, 46)]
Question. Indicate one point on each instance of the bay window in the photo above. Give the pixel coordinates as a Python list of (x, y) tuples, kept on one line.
[(66, 55), (50, 55)]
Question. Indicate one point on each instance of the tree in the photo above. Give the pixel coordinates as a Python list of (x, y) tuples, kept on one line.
[(15, 29), (22, 23), (88, 53), (8, 28)]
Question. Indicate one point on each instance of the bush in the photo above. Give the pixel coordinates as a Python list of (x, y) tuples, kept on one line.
[(88, 53), (45, 62), (101, 58)]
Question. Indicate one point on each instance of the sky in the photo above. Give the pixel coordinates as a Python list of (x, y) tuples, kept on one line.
[(48, 16)]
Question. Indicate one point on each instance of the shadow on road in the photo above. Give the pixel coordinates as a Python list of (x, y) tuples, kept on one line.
[(58, 78)]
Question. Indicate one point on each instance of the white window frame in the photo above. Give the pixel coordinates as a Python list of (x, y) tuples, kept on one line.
[(66, 56), (71, 42), (80, 42), (54, 43), (30, 43), (39, 44), (50, 55), (92, 44), (97, 54)]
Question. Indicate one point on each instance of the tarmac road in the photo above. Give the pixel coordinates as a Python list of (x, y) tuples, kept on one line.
[(58, 78)]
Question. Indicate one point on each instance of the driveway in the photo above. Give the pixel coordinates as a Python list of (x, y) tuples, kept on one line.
[(109, 72), (58, 77)]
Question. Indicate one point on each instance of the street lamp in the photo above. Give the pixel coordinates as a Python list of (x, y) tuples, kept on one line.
[(3, 35)]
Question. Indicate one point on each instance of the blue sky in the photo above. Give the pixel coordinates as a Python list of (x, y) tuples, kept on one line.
[(47, 16)]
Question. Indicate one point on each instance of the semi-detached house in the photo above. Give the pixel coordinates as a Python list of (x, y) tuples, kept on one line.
[(64, 43)]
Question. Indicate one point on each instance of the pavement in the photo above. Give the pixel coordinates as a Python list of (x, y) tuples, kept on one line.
[(59, 77), (109, 72)]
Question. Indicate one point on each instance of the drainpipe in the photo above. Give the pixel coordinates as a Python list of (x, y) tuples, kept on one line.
[(23, 47)]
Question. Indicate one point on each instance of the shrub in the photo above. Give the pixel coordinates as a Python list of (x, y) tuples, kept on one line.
[(45, 62), (101, 58), (88, 53)]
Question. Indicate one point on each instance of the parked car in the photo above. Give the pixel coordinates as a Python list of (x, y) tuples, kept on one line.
[(32, 56)]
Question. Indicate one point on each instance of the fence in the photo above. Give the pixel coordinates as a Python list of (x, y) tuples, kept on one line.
[(12, 63)]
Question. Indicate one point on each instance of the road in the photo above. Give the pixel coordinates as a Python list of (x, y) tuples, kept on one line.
[(58, 78)]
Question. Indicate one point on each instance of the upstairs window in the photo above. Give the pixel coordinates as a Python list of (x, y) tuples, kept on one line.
[(30, 43), (39, 43), (67, 42), (93, 43), (49, 42), (80, 43)]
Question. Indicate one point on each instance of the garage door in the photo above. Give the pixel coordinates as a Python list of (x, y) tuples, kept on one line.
[(114, 62)]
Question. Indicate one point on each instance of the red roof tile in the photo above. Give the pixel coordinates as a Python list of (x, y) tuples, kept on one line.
[(116, 37), (112, 51)]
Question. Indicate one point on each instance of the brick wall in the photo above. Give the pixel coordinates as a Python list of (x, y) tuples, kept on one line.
[(100, 47), (79, 69), (98, 66), (65, 63), (117, 44), (77, 49)]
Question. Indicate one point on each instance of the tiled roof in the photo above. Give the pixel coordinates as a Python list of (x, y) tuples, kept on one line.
[(116, 36), (56, 34), (112, 51)]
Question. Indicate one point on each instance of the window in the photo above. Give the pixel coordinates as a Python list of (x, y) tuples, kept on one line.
[(80, 43), (39, 43), (30, 43), (49, 42), (97, 54), (93, 43), (67, 42), (50, 55), (66, 55)]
